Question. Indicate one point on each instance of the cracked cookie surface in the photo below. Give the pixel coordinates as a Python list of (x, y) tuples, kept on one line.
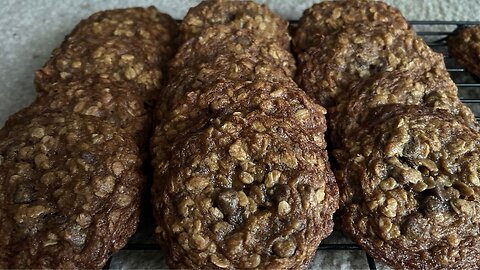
[(357, 53), (112, 102), (130, 45), (432, 88), (410, 189), (70, 191), (248, 190), (327, 17), (235, 15)]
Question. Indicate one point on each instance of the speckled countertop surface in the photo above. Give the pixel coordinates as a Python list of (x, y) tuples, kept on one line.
[(30, 30)]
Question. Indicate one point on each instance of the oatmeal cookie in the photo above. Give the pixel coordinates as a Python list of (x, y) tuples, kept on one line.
[(411, 191), (224, 68), (144, 24), (196, 109), (70, 171), (325, 18), (358, 52), (246, 191), (113, 49), (241, 172), (235, 15), (70, 191), (112, 102), (246, 67), (465, 47), (223, 41), (432, 88)]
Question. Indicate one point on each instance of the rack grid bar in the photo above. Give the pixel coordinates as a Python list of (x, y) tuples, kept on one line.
[(372, 265), (463, 85)]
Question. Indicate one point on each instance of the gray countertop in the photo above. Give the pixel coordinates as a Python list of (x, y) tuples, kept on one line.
[(30, 30)]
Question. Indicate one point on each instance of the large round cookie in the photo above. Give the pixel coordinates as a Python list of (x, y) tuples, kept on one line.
[(116, 48), (198, 106), (246, 191), (465, 47), (432, 88), (411, 190), (323, 19), (358, 52), (144, 24), (222, 40), (112, 102), (69, 192), (236, 15), (238, 68)]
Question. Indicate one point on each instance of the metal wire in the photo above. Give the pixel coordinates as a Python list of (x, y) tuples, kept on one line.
[(437, 40)]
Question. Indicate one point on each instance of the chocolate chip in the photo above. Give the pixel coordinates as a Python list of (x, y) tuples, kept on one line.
[(227, 201), (24, 194), (89, 157)]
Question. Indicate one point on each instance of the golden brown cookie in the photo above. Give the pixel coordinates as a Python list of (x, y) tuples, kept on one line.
[(325, 18), (247, 190), (111, 102), (70, 190), (235, 15), (465, 47), (224, 41), (410, 189), (114, 45), (358, 52), (432, 88), (197, 108)]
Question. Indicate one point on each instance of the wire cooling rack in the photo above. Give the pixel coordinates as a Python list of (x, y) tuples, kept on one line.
[(435, 34)]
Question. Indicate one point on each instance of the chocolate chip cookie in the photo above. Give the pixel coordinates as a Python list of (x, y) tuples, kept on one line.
[(236, 15), (113, 45), (411, 191), (70, 191), (432, 88), (358, 52), (222, 40), (245, 191), (70, 171), (280, 100), (325, 18), (112, 102), (465, 47), (241, 172)]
